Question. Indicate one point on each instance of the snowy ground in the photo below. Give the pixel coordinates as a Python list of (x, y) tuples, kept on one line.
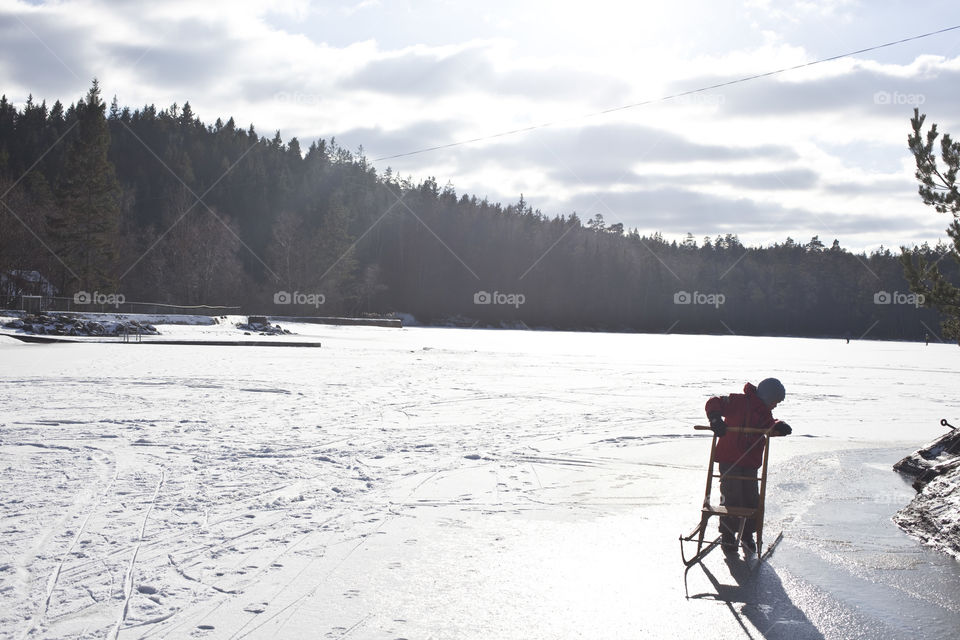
[(445, 483)]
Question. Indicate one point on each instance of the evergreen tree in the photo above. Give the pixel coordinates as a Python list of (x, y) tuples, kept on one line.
[(85, 224), (938, 188), (8, 118)]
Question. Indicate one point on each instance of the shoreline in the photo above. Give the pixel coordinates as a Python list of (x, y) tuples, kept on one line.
[(403, 320)]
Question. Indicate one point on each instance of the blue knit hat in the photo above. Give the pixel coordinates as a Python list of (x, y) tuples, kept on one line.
[(771, 391)]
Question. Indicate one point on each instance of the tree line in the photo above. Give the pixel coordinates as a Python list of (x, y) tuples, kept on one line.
[(156, 205)]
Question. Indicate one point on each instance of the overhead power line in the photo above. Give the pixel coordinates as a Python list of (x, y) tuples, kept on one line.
[(673, 96)]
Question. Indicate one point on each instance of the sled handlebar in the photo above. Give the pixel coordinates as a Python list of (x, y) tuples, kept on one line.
[(769, 432)]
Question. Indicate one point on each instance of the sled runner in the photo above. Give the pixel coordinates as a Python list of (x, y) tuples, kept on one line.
[(744, 513)]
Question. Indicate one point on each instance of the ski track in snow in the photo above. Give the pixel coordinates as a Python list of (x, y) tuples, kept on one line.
[(128, 578), (55, 576), (223, 493)]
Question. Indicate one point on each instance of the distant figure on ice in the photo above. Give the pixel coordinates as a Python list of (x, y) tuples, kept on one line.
[(741, 454)]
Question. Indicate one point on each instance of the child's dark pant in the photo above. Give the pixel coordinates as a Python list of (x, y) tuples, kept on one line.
[(735, 492)]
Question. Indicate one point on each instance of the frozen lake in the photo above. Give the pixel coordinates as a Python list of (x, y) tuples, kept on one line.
[(447, 483)]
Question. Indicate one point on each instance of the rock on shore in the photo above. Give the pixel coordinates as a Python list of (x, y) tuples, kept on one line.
[(934, 514), (59, 324)]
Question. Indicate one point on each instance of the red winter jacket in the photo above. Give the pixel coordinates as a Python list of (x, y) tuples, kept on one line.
[(742, 410)]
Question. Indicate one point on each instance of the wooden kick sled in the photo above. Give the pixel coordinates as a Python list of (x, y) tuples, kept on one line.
[(744, 513)]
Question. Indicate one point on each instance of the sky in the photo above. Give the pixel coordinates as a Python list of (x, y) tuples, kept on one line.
[(814, 151)]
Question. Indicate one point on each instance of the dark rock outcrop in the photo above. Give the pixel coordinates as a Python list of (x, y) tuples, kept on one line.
[(262, 326), (58, 324), (934, 514)]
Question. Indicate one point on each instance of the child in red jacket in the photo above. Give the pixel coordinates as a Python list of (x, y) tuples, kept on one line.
[(741, 454)]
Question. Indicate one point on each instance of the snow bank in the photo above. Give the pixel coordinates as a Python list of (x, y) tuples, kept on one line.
[(934, 514)]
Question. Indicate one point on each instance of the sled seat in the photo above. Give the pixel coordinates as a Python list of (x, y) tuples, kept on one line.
[(735, 512), (730, 476)]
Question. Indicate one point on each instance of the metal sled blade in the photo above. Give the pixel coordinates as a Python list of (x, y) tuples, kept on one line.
[(773, 545), (702, 551)]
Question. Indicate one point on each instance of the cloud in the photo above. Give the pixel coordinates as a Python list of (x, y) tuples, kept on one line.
[(164, 66), (795, 10), (797, 179), (867, 89), (37, 53), (429, 72), (884, 186), (571, 153), (422, 72), (675, 210), (678, 210), (788, 179), (378, 141)]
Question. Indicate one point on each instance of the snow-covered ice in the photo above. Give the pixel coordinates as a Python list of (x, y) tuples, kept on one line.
[(449, 483)]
